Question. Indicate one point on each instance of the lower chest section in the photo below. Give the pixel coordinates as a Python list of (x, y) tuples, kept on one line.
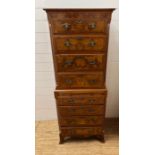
[(81, 113)]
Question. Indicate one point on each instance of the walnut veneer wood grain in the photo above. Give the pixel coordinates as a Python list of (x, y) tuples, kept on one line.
[(79, 39), (78, 62), (71, 43)]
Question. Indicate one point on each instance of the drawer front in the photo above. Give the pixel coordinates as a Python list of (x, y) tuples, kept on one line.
[(81, 110), (83, 131), (78, 21), (80, 15), (81, 100), (71, 63), (79, 26), (70, 43), (91, 80), (81, 121)]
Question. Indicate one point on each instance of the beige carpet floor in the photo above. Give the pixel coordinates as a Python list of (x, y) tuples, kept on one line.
[(47, 141)]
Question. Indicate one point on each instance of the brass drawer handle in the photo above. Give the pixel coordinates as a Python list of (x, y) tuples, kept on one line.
[(92, 43), (92, 62), (68, 81), (92, 26), (68, 62), (67, 43), (66, 26)]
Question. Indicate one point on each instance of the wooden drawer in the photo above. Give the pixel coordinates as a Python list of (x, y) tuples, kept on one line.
[(70, 43), (82, 131), (80, 21), (79, 80), (81, 99), (79, 26), (81, 121), (81, 110), (80, 14), (73, 63)]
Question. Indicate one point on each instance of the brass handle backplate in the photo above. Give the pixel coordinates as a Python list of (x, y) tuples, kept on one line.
[(68, 62), (92, 43), (92, 26), (66, 26), (67, 43), (68, 81), (92, 62)]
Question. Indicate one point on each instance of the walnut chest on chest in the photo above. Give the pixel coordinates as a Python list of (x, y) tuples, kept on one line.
[(79, 39)]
